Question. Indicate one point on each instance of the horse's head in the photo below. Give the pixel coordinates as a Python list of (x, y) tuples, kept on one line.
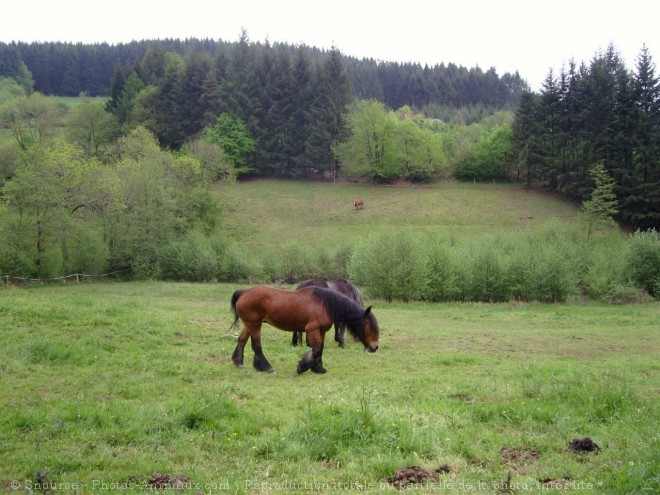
[(371, 332)]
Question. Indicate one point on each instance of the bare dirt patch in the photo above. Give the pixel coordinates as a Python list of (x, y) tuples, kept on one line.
[(516, 459), (416, 475), (558, 483), (161, 481)]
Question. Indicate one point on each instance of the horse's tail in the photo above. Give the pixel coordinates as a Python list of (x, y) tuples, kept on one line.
[(234, 299)]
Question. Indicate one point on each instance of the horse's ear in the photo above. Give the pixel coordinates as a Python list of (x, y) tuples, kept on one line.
[(367, 311)]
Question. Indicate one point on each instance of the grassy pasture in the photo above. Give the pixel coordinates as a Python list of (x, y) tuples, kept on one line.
[(105, 385), (267, 213)]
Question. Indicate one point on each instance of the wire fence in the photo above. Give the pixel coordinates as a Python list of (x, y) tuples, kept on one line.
[(76, 277)]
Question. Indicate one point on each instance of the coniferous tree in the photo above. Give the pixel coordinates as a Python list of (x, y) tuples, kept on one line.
[(117, 86), (332, 96), (239, 95), (126, 100), (601, 206), (278, 118), (642, 205), (210, 99), (190, 97), (173, 132), (152, 66), (301, 112), (527, 136), (551, 115)]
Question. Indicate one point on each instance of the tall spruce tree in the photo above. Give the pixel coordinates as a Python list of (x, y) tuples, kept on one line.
[(191, 92), (278, 118), (527, 136), (642, 205), (332, 97), (551, 116), (301, 112)]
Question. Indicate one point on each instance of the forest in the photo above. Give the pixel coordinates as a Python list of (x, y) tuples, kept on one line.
[(291, 99), (68, 69)]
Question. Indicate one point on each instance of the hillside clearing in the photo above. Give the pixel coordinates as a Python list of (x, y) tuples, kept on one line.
[(267, 213)]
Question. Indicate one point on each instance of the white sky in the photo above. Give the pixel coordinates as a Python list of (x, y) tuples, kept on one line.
[(524, 35)]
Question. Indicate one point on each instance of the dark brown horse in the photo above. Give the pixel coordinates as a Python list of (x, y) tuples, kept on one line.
[(340, 285), (312, 310)]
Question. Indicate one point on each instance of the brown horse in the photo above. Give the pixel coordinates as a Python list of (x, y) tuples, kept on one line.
[(312, 310), (340, 285), (358, 203)]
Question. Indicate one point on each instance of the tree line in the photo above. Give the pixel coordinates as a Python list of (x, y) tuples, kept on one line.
[(68, 69), (593, 114)]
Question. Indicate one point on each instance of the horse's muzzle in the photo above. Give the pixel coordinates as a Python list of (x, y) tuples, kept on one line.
[(372, 347)]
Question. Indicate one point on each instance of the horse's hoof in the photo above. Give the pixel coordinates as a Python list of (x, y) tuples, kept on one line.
[(271, 370), (319, 370)]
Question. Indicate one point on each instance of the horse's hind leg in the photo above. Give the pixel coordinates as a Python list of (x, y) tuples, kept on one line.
[(260, 362), (313, 359), (237, 356)]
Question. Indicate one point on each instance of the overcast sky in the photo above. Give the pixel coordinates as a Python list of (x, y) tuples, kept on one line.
[(511, 35)]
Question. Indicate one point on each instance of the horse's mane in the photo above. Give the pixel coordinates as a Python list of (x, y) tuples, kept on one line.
[(345, 287), (344, 310)]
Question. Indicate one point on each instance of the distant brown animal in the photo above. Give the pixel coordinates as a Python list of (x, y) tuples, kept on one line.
[(358, 203)]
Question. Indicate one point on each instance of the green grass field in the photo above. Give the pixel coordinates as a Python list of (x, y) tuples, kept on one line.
[(124, 387)]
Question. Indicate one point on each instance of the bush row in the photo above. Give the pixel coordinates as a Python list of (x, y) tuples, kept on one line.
[(549, 266), (196, 257)]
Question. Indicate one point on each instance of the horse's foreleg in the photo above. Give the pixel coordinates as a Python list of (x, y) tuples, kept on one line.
[(260, 362), (339, 335), (313, 359), (237, 356)]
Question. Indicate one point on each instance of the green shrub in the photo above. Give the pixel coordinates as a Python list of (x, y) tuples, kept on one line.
[(603, 277), (84, 251), (391, 265), (553, 277), (487, 270), (189, 258), (642, 260), (340, 260), (295, 263), (16, 262), (236, 264), (444, 271)]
